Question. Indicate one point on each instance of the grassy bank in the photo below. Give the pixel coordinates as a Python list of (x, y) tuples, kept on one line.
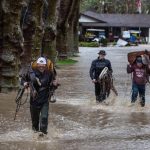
[(66, 62)]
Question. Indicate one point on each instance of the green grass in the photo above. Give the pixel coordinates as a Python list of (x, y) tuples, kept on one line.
[(89, 44), (66, 62)]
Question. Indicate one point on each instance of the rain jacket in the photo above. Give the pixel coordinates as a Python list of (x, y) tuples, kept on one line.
[(97, 66)]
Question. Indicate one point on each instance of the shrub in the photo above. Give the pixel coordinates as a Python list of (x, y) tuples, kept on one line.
[(89, 44), (104, 42)]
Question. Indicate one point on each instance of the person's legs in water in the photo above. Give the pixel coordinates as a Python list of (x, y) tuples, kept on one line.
[(102, 95), (97, 91), (142, 94), (44, 118), (135, 91), (35, 112)]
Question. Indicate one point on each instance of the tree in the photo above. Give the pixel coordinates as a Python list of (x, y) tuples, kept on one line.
[(114, 6), (66, 27), (49, 39), (73, 28), (11, 43), (31, 28), (62, 27)]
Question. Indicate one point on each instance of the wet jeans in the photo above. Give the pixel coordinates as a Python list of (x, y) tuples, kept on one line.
[(138, 89), (39, 116)]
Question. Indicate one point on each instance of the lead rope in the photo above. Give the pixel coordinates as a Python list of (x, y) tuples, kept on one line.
[(19, 103)]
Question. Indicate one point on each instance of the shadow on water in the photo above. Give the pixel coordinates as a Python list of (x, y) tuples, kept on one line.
[(76, 122)]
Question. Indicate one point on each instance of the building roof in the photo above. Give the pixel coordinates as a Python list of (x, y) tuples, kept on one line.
[(117, 20)]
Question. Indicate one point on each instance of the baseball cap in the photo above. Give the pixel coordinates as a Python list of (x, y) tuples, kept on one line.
[(41, 61)]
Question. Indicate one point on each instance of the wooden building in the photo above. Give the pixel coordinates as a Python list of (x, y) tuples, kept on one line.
[(115, 24)]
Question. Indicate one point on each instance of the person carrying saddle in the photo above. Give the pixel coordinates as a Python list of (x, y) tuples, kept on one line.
[(98, 65), (140, 74), (40, 77)]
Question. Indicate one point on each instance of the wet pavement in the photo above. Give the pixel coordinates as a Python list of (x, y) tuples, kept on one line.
[(76, 122)]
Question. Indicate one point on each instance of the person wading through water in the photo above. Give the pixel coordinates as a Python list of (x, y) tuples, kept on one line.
[(40, 77), (97, 67), (140, 73)]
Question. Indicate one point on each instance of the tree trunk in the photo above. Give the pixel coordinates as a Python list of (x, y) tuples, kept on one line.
[(127, 6), (76, 29), (73, 28), (1, 42), (49, 39), (70, 35), (62, 28), (11, 43), (70, 40), (32, 31)]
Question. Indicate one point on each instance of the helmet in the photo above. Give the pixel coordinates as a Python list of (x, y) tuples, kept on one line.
[(102, 52)]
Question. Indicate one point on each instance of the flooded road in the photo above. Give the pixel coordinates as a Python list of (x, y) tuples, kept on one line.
[(76, 122)]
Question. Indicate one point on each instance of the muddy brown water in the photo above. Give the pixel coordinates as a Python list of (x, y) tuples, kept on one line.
[(76, 122)]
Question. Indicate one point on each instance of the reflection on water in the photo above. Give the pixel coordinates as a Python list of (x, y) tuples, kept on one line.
[(76, 122)]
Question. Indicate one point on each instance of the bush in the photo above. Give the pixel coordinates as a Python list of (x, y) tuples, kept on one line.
[(104, 42), (89, 44)]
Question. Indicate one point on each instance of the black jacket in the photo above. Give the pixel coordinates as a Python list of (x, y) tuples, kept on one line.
[(97, 66), (42, 90)]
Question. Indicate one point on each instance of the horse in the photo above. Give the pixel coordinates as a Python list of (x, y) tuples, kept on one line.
[(106, 83)]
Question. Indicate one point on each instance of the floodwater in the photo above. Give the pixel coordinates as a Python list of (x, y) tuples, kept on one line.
[(76, 122)]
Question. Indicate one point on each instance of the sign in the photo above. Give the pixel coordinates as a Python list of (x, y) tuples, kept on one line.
[(121, 42)]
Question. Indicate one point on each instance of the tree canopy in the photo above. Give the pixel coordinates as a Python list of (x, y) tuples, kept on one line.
[(115, 6)]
